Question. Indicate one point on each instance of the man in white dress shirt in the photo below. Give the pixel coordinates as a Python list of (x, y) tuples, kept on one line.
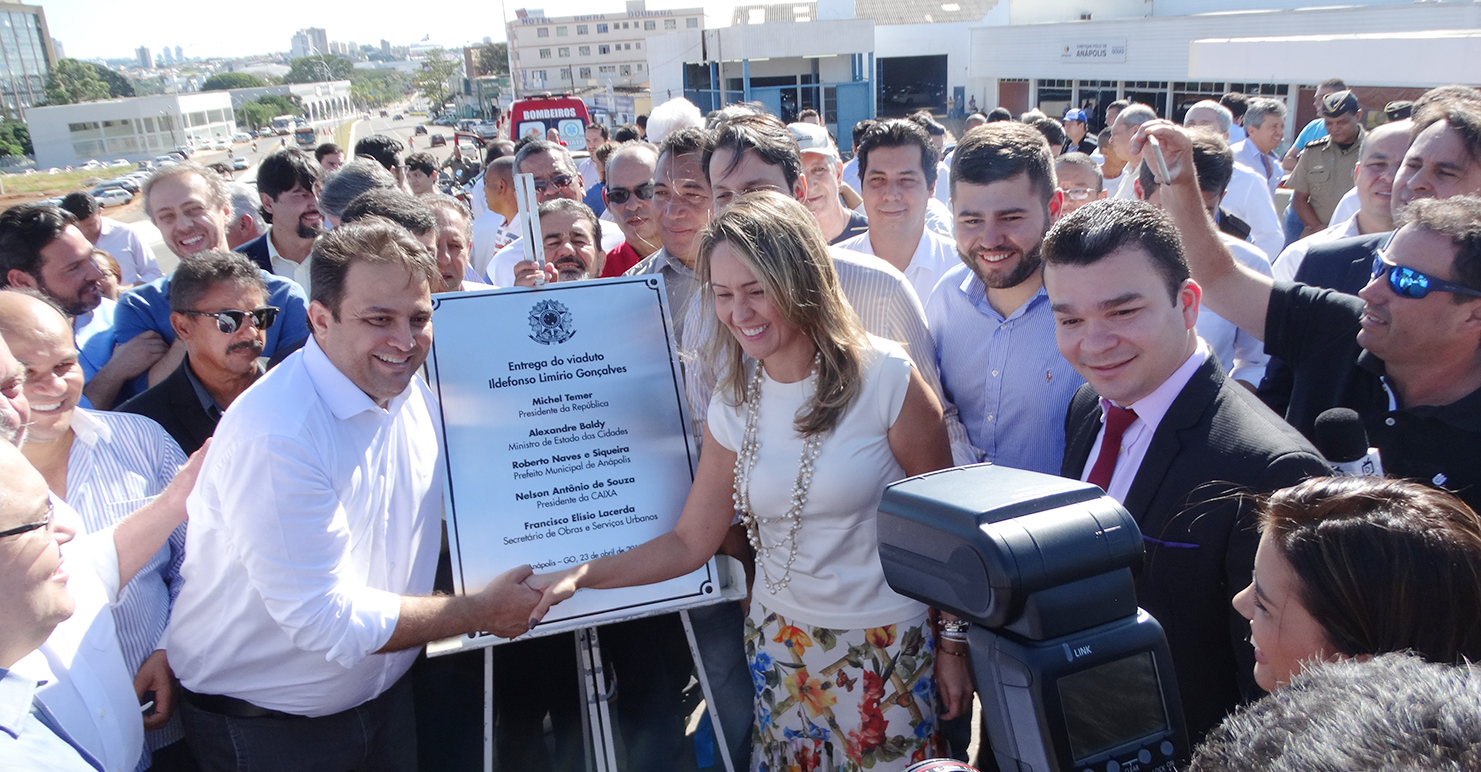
[(315, 531), (1247, 196), (136, 262), (898, 171), (1242, 355)]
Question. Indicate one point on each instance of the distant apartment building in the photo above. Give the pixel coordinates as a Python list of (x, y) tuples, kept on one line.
[(584, 54), (146, 58), (318, 40), (29, 56), (299, 45)]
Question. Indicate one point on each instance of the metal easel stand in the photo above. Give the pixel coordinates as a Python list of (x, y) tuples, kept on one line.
[(596, 725), (596, 728)]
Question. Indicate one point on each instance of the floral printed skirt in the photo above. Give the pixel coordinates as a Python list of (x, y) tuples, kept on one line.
[(841, 700)]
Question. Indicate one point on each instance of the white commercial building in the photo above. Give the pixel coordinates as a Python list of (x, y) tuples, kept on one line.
[(133, 129), (1055, 54), (948, 57), (585, 54)]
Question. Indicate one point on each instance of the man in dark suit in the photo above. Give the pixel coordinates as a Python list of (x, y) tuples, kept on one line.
[(1163, 430), (218, 313)]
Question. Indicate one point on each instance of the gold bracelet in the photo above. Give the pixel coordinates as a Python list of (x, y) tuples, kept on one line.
[(944, 650)]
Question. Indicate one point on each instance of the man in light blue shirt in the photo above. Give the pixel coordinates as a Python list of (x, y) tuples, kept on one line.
[(990, 318)]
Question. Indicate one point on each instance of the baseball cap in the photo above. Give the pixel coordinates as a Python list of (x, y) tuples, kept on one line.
[(1339, 103), (812, 138), (1075, 114)]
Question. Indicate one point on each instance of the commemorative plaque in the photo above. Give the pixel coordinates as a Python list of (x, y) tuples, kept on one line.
[(566, 439)]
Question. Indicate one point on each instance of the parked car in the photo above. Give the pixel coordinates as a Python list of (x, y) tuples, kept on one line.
[(241, 136), (114, 196), (128, 185), (439, 140), (239, 163), (119, 162)]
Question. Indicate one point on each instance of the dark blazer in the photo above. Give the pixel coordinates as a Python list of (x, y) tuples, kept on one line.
[(257, 250), (1345, 265), (1217, 439), (173, 404)]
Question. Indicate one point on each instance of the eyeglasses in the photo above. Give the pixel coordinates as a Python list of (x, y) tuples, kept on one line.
[(231, 320), (1409, 283), (51, 509), (619, 196), (563, 181), (1076, 194)]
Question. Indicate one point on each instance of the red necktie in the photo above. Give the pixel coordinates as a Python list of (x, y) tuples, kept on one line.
[(1117, 419)]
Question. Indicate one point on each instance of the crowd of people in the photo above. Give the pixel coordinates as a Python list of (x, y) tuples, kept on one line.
[(240, 463)]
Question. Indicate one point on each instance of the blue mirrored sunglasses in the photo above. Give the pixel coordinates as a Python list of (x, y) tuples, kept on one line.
[(1408, 283)]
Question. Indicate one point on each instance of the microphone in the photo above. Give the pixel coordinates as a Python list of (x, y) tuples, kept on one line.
[(1343, 441)]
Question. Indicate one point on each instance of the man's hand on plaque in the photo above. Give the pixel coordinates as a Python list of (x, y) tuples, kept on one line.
[(554, 588), (525, 272), (507, 603)]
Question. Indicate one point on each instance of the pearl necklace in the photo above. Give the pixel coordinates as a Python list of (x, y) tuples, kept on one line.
[(745, 463)]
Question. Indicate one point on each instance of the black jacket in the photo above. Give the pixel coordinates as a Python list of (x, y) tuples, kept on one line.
[(173, 404), (1215, 442)]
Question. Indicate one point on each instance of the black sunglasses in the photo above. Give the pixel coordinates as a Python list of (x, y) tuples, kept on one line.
[(563, 181), (619, 196), (1409, 283), (51, 510), (231, 321)]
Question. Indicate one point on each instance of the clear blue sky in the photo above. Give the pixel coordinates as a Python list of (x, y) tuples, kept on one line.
[(114, 28)]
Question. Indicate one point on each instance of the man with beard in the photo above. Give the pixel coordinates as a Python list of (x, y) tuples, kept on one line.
[(629, 197), (990, 317), (220, 317), (289, 182), (42, 249), (572, 237), (191, 208), (99, 462)]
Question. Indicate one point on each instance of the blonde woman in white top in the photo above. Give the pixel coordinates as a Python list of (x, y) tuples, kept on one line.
[(810, 420)]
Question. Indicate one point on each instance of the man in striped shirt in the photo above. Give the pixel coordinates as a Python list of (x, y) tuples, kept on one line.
[(105, 465)]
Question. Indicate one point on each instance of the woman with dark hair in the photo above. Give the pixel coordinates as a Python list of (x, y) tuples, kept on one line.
[(1360, 566), (810, 420)]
